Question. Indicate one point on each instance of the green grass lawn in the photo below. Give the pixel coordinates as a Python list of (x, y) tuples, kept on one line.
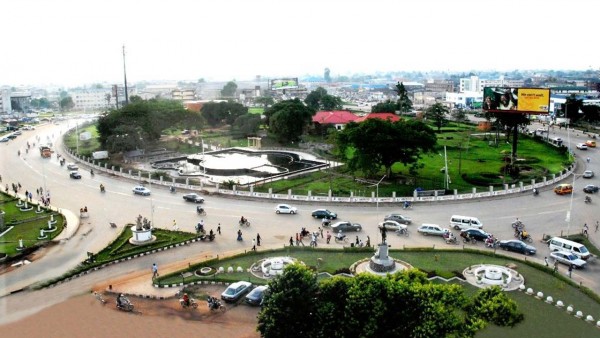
[(28, 227), (541, 319)]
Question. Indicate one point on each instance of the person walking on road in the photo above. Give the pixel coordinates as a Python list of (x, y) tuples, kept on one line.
[(597, 225), (291, 241), (546, 260), (219, 229), (258, 239), (175, 227), (570, 270), (555, 267), (154, 270), (253, 244)]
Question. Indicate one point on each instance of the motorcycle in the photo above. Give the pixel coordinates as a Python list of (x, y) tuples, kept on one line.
[(451, 239), (325, 222), (491, 243), (535, 192), (468, 239), (190, 304), (172, 189), (588, 200), (523, 237), (341, 239), (102, 188), (215, 304), (124, 304), (200, 211), (245, 222), (407, 205), (402, 231)]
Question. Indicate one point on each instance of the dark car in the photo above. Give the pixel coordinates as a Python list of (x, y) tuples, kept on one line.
[(193, 197), (398, 218), (517, 246), (478, 234), (590, 188), (75, 174), (235, 291), (255, 297), (345, 226), (324, 213)]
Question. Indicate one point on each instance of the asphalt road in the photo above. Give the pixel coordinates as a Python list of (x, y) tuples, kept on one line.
[(544, 214)]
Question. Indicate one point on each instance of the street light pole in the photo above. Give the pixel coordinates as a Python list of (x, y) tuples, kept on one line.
[(377, 192), (568, 218)]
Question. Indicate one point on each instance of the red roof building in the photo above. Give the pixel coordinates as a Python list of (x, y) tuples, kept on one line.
[(334, 117), (383, 116)]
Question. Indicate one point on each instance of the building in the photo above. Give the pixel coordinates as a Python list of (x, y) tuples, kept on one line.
[(475, 84), (5, 106), (470, 100), (20, 101), (183, 94), (92, 99), (338, 119)]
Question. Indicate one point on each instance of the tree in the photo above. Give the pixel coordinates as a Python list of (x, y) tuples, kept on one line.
[(330, 103), (288, 119), (266, 101), (313, 99), (571, 108), (229, 89), (385, 107), (437, 113), (327, 75), (404, 102), (289, 308), (217, 113), (135, 98), (404, 304), (459, 115), (511, 122), (245, 125), (378, 143), (67, 103)]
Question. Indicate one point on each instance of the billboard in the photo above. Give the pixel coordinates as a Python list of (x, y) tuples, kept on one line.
[(287, 83), (516, 100)]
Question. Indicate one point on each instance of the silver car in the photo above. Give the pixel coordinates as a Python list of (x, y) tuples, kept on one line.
[(141, 190), (392, 225), (432, 229), (398, 218), (568, 258)]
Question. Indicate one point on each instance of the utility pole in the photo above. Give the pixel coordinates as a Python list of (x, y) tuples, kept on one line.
[(125, 75)]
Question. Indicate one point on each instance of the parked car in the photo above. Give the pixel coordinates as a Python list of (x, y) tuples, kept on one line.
[(345, 226), (193, 197), (517, 246), (432, 229), (568, 259), (324, 213), (398, 218), (588, 174), (4, 139), (581, 146), (72, 166), (256, 296), (392, 225), (285, 209), (590, 188), (235, 291), (141, 190), (75, 174), (477, 234), (541, 130)]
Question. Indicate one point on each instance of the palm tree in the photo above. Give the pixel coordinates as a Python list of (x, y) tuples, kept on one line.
[(437, 113)]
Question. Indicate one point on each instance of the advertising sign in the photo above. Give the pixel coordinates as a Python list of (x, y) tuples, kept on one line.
[(287, 83), (516, 100)]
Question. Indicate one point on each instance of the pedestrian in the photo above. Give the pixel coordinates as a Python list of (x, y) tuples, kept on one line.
[(357, 241), (253, 244), (219, 229), (555, 267), (570, 270), (597, 225), (297, 239), (588, 160), (175, 227), (328, 237), (321, 231), (368, 241), (30, 197), (258, 239), (154, 270), (239, 233), (26, 194), (37, 192), (0, 178), (291, 241), (585, 229), (546, 260)]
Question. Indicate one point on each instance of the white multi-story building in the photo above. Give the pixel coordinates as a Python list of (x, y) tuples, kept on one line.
[(92, 99), (475, 84), (5, 106), (464, 99)]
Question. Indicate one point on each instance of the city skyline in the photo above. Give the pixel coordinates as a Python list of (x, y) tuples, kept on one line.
[(72, 43)]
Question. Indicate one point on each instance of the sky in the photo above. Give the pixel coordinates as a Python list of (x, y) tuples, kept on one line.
[(76, 42)]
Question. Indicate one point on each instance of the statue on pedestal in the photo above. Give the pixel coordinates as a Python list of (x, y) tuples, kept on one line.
[(138, 223)]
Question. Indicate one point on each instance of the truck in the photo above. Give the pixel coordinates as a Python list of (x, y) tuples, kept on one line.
[(45, 151)]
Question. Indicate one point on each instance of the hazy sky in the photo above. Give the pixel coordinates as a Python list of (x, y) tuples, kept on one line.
[(73, 42)]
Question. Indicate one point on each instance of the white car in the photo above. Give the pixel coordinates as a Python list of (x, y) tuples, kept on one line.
[(432, 229), (285, 209), (581, 146), (392, 225), (588, 174), (72, 166), (141, 190), (568, 258)]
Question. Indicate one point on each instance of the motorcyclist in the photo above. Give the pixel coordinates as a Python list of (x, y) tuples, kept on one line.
[(101, 187), (120, 300), (92, 172), (200, 226), (406, 204), (172, 188), (243, 220), (524, 235), (185, 299), (588, 199), (535, 191), (340, 236)]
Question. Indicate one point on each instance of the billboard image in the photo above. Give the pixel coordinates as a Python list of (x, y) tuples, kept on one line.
[(517, 100), (287, 83)]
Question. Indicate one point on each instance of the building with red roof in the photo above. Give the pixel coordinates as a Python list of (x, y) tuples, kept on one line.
[(383, 116), (337, 118)]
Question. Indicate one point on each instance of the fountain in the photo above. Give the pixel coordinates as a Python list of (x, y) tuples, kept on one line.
[(486, 275), (272, 266), (141, 232)]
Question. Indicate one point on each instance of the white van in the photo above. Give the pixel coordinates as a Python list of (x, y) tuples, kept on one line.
[(561, 244), (465, 222)]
